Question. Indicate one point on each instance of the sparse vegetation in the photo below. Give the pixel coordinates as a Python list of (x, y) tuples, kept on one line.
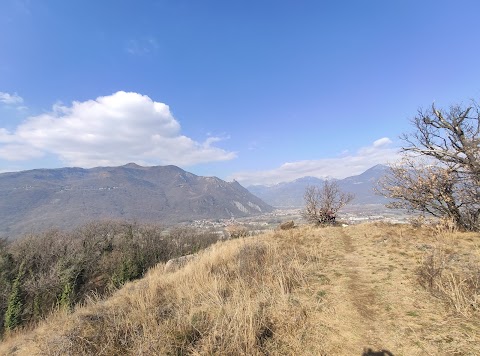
[(303, 291), (451, 276)]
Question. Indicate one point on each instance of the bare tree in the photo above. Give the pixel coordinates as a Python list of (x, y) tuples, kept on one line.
[(451, 137), (323, 203), (446, 182)]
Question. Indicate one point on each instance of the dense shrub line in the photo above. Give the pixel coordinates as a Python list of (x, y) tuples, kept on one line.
[(57, 269)]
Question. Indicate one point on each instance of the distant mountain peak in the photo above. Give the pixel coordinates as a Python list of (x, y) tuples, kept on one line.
[(65, 198), (378, 167), (307, 179), (291, 194), (132, 165)]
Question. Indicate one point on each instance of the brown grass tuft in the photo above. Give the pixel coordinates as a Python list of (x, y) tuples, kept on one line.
[(452, 277)]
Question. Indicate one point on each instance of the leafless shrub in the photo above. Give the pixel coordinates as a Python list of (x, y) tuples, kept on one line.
[(287, 225), (185, 240), (446, 225), (432, 268), (323, 203), (64, 268), (417, 221), (237, 231)]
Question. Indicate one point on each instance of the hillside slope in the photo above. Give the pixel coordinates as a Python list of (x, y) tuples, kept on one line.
[(69, 197), (331, 291)]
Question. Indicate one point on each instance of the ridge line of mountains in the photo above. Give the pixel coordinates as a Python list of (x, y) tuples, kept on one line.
[(40, 199), (290, 194), (68, 197)]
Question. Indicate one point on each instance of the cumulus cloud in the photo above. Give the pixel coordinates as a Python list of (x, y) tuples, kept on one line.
[(110, 130), (10, 99), (379, 152)]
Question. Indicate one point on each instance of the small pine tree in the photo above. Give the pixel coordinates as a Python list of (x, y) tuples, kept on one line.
[(37, 312), (66, 299), (13, 314), (130, 269)]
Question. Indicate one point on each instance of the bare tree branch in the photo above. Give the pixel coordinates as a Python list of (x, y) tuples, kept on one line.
[(448, 182)]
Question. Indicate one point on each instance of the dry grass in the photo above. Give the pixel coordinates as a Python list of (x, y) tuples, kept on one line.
[(442, 320), (239, 297), (451, 272), (305, 291)]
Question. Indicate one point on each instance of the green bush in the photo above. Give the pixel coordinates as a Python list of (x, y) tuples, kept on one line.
[(13, 315)]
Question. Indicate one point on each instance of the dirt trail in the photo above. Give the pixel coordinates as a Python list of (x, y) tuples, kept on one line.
[(375, 302)]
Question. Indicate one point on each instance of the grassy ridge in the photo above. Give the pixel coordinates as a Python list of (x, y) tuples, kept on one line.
[(306, 291)]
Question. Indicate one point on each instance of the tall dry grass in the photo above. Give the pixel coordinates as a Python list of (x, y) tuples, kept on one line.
[(304, 291), (239, 297), (451, 274)]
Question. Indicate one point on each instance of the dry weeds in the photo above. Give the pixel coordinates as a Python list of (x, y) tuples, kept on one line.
[(305, 291)]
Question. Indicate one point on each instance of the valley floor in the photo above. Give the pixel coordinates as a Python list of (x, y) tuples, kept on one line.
[(306, 291)]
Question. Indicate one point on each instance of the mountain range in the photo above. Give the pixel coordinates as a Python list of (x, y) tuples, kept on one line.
[(290, 194), (40, 199), (64, 198)]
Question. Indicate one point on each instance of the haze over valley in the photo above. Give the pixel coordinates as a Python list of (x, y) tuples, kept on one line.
[(66, 198)]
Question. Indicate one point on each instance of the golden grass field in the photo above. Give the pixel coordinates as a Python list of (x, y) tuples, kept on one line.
[(371, 289)]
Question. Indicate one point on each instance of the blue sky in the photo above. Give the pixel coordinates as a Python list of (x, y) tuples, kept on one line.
[(259, 91)]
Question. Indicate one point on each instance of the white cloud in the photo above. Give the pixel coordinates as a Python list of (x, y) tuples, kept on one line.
[(380, 152), (110, 130), (142, 46), (384, 141), (5, 136), (10, 99), (16, 152)]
